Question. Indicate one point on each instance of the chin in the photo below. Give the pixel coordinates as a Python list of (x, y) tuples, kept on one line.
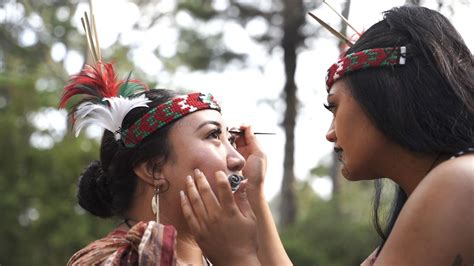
[(351, 175), (347, 175)]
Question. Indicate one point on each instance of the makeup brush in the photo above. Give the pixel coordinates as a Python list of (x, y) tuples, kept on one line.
[(241, 133)]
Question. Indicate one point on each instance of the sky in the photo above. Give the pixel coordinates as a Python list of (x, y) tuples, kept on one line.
[(241, 90)]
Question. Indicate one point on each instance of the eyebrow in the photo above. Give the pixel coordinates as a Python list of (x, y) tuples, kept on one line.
[(209, 122), (330, 95)]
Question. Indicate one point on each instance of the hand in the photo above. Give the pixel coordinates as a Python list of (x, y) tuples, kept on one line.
[(223, 226), (255, 160)]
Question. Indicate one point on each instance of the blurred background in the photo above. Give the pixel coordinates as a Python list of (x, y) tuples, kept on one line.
[(265, 61)]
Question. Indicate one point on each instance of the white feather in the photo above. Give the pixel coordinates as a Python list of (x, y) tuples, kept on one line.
[(108, 116)]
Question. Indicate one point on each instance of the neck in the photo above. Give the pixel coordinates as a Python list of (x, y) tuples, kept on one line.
[(408, 169)]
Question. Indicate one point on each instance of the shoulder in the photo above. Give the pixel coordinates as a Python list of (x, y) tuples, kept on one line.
[(462, 166), (455, 177), (436, 225), (98, 251), (448, 189)]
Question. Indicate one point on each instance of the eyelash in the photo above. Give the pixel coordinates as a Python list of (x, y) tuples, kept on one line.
[(330, 107), (216, 133)]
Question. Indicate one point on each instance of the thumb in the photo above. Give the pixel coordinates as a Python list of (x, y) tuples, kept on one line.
[(242, 200)]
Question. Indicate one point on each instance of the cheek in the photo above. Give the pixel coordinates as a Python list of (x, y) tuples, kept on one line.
[(212, 182), (364, 153), (209, 161), (357, 137)]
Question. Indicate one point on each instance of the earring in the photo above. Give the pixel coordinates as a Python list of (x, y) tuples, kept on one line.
[(155, 204)]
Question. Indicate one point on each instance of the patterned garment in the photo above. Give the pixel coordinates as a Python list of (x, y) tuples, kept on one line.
[(146, 243)]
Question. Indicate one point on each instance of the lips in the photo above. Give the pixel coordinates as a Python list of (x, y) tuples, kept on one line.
[(338, 151)]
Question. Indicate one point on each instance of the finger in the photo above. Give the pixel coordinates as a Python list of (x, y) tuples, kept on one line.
[(242, 200), (195, 200), (188, 213), (250, 137), (224, 193), (240, 139), (207, 195), (248, 140)]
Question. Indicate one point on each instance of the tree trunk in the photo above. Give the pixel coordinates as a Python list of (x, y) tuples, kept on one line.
[(413, 2), (334, 171), (293, 19)]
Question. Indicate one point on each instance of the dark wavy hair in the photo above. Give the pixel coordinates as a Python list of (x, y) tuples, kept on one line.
[(106, 186), (427, 105)]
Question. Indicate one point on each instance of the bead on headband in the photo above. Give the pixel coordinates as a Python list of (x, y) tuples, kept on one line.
[(165, 114), (370, 58)]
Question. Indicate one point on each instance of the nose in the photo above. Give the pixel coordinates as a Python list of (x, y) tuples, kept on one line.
[(235, 161), (331, 134)]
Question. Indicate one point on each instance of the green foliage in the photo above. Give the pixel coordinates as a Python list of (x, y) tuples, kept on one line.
[(41, 221), (199, 8), (319, 170), (335, 232)]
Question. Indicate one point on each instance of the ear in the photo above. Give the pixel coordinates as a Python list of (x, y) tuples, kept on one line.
[(149, 174)]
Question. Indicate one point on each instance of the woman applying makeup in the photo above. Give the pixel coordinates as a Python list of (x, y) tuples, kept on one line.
[(402, 100)]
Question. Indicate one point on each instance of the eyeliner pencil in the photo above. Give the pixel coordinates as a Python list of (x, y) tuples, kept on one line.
[(240, 132)]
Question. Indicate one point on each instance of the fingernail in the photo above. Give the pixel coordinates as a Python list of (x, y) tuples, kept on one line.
[(197, 171), (189, 179), (182, 195)]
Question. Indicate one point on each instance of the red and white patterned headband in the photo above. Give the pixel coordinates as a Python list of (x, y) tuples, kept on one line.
[(165, 114), (370, 58)]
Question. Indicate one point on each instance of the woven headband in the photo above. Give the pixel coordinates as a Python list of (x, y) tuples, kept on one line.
[(166, 113), (376, 57)]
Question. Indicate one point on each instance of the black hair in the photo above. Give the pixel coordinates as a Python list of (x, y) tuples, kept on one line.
[(106, 186), (426, 105)]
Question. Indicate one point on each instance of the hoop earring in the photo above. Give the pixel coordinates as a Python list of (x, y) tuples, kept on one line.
[(155, 204)]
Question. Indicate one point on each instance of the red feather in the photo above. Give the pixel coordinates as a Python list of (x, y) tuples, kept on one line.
[(93, 82)]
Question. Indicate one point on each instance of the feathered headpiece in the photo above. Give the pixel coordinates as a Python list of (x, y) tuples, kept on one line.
[(105, 101)]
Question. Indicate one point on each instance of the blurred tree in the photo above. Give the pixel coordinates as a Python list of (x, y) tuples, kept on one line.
[(41, 221), (293, 19)]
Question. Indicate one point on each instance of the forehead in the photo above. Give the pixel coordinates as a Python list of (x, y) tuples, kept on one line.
[(196, 119), (337, 88)]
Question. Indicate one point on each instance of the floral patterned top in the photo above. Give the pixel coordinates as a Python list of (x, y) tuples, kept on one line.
[(146, 243)]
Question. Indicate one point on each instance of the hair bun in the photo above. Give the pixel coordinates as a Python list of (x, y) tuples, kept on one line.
[(94, 194)]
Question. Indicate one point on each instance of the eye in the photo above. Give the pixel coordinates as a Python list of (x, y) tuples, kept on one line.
[(231, 139), (215, 134), (330, 107)]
